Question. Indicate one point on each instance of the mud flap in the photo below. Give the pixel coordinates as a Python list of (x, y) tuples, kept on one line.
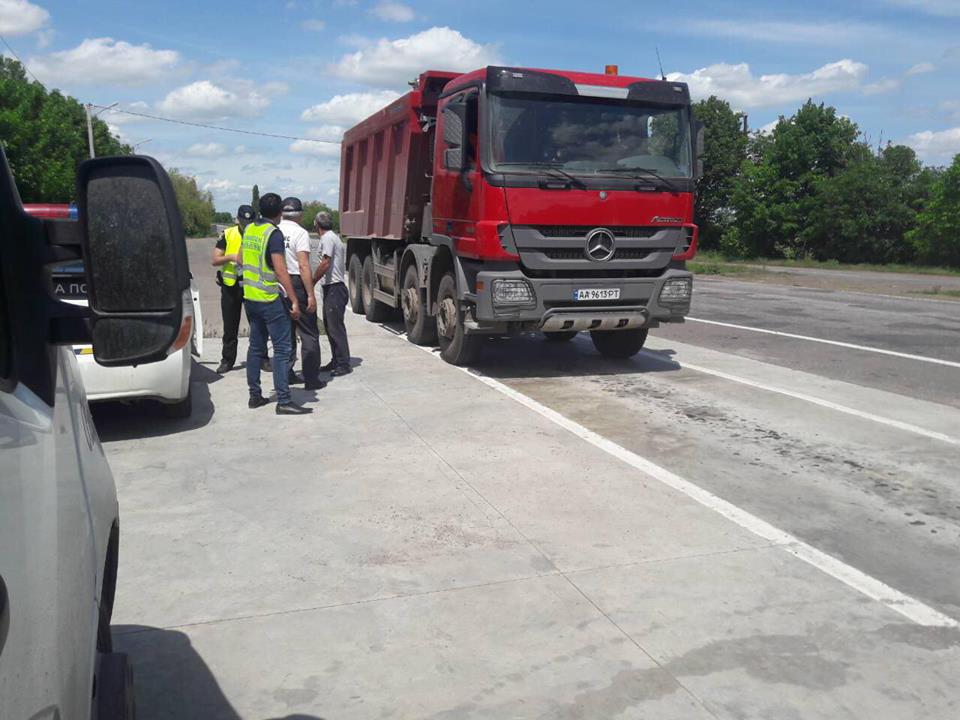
[(113, 695)]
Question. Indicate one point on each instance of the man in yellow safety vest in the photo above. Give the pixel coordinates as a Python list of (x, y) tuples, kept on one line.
[(226, 256), (265, 280)]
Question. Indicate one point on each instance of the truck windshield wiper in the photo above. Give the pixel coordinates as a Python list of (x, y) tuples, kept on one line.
[(548, 167), (645, 171), (563, 173)]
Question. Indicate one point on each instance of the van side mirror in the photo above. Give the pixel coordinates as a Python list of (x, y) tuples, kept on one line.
[(700, 131), (135, 256)]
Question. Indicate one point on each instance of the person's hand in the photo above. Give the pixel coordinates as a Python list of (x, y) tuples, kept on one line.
[(234, 258), (311, 304), (295, 311)]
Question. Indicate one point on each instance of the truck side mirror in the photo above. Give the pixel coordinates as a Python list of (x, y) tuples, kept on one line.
[(135, 257), (700, 129)]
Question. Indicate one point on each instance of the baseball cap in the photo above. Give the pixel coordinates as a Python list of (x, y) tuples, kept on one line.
[(292, 204), (245, 212)]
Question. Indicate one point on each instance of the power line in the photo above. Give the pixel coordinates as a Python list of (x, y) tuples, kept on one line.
[(22, 63), (216, 127)]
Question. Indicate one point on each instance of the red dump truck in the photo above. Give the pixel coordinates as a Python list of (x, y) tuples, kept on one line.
[(512, 200)]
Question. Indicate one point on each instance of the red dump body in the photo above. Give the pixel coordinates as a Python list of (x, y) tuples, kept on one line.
[(385, 165)]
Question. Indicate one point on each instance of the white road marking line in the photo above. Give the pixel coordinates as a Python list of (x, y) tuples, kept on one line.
[(932, 434), (837, 343), (827, 291), (890, 597)]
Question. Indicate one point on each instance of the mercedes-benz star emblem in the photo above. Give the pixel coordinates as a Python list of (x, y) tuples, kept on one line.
[(600, 245)]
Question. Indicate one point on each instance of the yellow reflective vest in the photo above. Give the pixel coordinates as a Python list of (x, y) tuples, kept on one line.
[(259, 281), (233, 237)]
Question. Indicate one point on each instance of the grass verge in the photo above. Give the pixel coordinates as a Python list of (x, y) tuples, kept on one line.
[(718, 264)]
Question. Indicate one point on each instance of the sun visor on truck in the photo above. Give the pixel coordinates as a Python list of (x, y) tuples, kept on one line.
[(658, 92)]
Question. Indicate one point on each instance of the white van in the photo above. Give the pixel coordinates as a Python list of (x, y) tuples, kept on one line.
[(167, 381), (59, 523)]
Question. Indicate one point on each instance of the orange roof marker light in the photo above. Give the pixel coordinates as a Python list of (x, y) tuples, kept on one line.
[(611, 70)]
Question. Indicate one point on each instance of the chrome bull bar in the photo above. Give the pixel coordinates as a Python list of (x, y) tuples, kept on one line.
[(579, 320)]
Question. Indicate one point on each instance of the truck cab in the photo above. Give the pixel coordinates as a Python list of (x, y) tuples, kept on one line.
[(557, 201)]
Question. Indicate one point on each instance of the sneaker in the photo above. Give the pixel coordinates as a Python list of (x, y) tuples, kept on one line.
[(266, 365), (257, 401), (342, 370), (224, 368), (318, 385), (293, 378), (292, 408)]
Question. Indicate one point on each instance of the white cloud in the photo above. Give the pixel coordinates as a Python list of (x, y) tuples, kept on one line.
[(349, 109), (943, 8), (769, 127), (20, 17), (115, 117), (920, 69), (779, 32), (105, 60), (883, 85), (331, 133), (222, 185), (393, 11), (934, 146), (388, 63), (738, 84), (211, 149), (952, 109), (202, 100), (320, 149), (313, 25), (45, 38)]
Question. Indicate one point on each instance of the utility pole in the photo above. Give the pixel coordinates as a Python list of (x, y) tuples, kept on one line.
[(86, 107)]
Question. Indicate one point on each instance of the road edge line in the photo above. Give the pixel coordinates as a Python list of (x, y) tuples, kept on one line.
[(836, 343), (877, 590), (907, 427)]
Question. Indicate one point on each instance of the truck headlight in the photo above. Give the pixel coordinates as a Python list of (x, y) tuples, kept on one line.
[(676, 290), (513, 292)]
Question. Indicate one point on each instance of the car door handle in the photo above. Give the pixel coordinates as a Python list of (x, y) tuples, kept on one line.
[(4, 614)]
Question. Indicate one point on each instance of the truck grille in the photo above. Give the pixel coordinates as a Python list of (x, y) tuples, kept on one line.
[(555, 253), (580, 231)]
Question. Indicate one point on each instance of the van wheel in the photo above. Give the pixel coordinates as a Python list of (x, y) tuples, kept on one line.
[(181, 409), (376, 311), (421, 329), (456, 347), (562, 336), (619, 343), (354, 280)]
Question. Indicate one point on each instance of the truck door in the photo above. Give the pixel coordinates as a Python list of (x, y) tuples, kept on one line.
[(456, 175)]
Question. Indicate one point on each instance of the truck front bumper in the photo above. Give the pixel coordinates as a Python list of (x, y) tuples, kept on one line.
[(551, 306)]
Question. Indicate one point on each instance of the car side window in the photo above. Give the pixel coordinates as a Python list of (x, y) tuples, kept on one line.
[(6, 344)]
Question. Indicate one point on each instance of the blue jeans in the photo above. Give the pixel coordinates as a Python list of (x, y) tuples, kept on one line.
[(268, 319)]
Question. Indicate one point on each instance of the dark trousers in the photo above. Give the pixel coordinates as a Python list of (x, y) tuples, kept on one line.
[(306, 328), (231, 304), (334, 306), (268, 320)]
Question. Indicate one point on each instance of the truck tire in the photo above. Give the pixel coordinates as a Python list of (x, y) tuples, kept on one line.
[(456, 346), (421, 328), (562, 336), (354, 281), (619, 343), (375, 310), (181, 409)]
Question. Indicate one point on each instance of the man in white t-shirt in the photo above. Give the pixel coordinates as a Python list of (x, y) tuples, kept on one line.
[(330, 275), (297, 247)]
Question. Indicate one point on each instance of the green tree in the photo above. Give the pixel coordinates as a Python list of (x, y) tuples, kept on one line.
[(725, 149), (255, 199), (310, 210), (224, 218), (773, 195), (196, 205), (45, 136), (937, 234)]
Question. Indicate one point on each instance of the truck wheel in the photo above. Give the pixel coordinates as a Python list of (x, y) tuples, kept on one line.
[(562, 336), (354, 280), (456, 347), (619, 343), (421, 329), (376, 311), (181, 409)]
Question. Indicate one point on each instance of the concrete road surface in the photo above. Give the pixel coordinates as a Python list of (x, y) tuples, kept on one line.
[(734, 524)]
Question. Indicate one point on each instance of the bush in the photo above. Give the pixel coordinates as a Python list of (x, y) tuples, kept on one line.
[(196, 205), (937, 235)]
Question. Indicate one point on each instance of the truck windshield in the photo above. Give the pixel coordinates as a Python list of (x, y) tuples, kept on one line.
[(588, 136)]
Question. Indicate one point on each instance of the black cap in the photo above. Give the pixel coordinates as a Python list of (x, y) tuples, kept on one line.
[(245, 212), (292, 204)]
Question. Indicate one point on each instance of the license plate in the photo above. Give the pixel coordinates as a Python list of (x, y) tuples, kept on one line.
[(596, 294)]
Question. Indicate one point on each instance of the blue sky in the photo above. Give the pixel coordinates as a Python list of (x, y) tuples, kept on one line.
[(309, 68)]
